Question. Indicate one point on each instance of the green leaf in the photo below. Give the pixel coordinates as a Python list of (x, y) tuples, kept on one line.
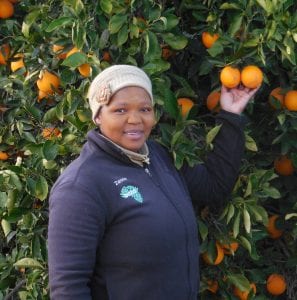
[(235, 24), (175, 137), (170, 105), (28, 136), (212, 134), (156, 66), (250, 143), (28, 262), (240, 281), (203, 230), (216, 49), (106, 6), (50, 115), (231, 212), (289, 216), (272, 192), (79, 35), (227, 5), (103, 38), (49, 150), (57, 23), (171, 21), (236, 225), (177, 42), (75, 60), (122, 35), (76, 5), (5, 227), (152, 46), (264, 214), (254, 210), (41, 188), (246, 220), (245, 243), (116, 22)]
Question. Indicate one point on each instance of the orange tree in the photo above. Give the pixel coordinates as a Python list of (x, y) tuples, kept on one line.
[(44, 119)]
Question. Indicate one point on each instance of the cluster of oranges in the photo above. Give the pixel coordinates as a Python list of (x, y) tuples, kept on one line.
[(17, 61), (50, 133), (275, 285), (280, 98), (250, 76), (84, 69), (6, 8)]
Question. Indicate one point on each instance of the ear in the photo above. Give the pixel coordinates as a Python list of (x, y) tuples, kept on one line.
[(98, 119)]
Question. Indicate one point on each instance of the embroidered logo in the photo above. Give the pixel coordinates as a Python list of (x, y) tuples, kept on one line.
[(131, 191), (119, 181)]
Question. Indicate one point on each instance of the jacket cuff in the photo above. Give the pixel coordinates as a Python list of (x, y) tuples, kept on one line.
[(233, 119)]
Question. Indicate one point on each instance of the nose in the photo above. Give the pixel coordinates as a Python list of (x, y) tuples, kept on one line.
[(134, 118)]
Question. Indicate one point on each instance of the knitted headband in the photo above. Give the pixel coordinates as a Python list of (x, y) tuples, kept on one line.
[(112, 79)]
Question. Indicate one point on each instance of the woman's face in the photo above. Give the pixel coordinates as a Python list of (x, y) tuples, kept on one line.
[(128, 118)]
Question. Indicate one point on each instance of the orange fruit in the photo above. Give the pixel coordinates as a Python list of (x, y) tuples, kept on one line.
[(208, 39), (58, 49), (3, 155), (290, 100), (230, 77), (276, 284), (212, 285), (251, 76), (283, 165), (50, 133), (276, 95), (213, 101), (48, 82), (243, 295), (4, 53), (141, 23), (186, 105), (17, 64), (271, 228), (166, 52), (219, 258), (85, 70), (6, 9), (41, 95), (72, 51), (106, 56), (230, 248)]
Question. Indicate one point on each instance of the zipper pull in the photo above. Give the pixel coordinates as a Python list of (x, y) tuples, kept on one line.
[(147, 171)]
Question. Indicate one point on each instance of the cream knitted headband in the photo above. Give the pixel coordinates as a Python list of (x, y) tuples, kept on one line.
[(112, 79)]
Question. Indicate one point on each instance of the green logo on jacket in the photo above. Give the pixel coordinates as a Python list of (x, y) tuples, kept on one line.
[(131, 191)]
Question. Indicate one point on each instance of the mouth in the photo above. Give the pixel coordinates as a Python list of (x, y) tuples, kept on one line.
[(134, 134)]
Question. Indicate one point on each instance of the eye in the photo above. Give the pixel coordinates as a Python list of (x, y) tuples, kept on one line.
[(120, 110), (146, 109)]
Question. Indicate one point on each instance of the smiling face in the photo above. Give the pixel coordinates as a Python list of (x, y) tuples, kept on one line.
[(128, 119)]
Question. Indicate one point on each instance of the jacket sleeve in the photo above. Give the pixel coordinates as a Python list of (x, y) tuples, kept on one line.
[(212, 182), (76, 226)]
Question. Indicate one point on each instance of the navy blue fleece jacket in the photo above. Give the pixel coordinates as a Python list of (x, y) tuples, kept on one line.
[(118, 231)]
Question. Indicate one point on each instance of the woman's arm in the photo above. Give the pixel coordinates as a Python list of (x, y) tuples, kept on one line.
[(212, 182), (76, 226)]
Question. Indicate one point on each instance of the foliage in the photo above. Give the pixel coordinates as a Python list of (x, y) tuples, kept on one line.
[(258, 32)]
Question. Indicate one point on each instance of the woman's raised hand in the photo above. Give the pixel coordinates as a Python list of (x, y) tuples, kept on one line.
[(235, 100)]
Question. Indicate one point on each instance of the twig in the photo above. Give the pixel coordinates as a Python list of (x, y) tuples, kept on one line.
[(10, 295)]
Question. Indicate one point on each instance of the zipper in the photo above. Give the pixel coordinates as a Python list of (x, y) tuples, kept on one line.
[(147, 171)]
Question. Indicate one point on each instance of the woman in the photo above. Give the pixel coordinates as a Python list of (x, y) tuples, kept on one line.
[(121, 224)]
